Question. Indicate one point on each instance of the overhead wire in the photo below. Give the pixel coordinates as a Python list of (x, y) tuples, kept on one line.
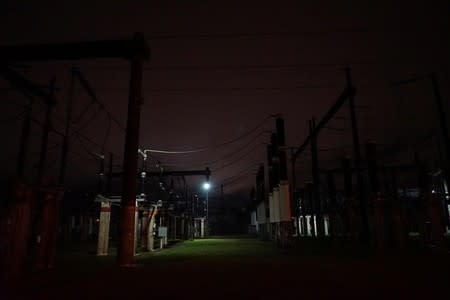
[(84, 111), (87, 150), (237, 160), (231, 154), (88, 122), (226, 156), (243, 170), (203, 149), (235, 178)]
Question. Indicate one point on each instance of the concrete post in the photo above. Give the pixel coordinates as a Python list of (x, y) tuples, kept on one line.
[(103, 230), (136, 227), (161, 239), (196, 231), (150, 236), (202, 228), (145, 228)]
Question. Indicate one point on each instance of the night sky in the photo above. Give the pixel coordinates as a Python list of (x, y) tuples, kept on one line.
[(219, 70)]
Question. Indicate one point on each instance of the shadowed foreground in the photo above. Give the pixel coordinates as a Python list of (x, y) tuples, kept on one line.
[(237, 269)]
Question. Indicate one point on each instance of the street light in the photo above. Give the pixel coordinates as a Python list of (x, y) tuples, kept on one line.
[(206, 187)]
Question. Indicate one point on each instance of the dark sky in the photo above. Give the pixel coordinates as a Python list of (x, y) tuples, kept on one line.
[(218, 70)]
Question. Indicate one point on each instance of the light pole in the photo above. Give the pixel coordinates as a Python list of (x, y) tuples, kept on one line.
[(206, 187)]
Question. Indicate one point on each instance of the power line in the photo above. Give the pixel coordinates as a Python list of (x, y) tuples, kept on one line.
[(259, 125), (86, 149), (84, 111), (88, 122), (238, 159), (94, 143), (242, 172), (78, 134), (238, 179), (238, 150)]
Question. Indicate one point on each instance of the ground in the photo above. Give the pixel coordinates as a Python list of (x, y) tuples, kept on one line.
[(239, 268)]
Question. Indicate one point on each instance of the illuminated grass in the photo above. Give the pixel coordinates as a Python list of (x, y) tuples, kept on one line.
[(213, 248)]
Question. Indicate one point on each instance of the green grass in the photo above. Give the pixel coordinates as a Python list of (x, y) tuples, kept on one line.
[(212, 248)]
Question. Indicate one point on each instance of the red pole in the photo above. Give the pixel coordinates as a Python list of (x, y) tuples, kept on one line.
[(125, 250), (47, 230), (17, 232)]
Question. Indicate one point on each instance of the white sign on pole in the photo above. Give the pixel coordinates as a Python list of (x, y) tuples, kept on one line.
[(162, 231)]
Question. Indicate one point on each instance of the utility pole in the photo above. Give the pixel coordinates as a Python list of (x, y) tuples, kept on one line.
[(125, 249), (284, 191), (365, 232)]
